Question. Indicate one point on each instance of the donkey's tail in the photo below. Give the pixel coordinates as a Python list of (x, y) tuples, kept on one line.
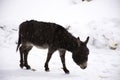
[(19, 42)]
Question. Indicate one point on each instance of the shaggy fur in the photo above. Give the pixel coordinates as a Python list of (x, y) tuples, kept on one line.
[(51, 36)]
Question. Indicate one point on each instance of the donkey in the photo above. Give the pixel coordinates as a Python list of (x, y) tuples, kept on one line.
[(54, 37)]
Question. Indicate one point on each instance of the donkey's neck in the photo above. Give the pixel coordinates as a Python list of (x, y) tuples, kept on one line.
[(69, 42), (72, 45)]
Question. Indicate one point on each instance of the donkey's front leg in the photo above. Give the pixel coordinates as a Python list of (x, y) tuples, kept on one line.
[(50, 52), (62, 56)]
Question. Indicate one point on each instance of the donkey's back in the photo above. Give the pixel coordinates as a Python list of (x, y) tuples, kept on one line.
[(39, 32)]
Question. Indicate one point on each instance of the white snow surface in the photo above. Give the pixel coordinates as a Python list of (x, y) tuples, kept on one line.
[(98, 19)]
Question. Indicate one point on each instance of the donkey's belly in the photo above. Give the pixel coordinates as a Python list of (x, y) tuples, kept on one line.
[(41, 46), (44, 46)]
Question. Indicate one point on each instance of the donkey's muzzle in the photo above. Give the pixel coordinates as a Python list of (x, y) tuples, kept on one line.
[(83, 66)]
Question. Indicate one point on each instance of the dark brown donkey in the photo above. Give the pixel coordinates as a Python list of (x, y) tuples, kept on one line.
[(54, 37)]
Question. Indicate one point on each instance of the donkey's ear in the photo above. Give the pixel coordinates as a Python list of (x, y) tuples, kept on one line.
[(87, 40), (78, 41)]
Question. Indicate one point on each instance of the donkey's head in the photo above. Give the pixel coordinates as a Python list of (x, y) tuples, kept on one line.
[(80, 55)]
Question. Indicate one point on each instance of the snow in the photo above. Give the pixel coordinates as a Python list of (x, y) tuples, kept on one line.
[(98, 19)]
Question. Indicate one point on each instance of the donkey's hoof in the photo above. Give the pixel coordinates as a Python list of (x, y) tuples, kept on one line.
[(28, 67), (21, 66), (47, 69), (66, 71)]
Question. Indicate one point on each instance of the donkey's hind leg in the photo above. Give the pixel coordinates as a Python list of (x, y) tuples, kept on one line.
[(21, 57), (24, 50)]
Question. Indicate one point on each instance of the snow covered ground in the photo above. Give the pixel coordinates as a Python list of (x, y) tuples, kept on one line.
[(98, 19)]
